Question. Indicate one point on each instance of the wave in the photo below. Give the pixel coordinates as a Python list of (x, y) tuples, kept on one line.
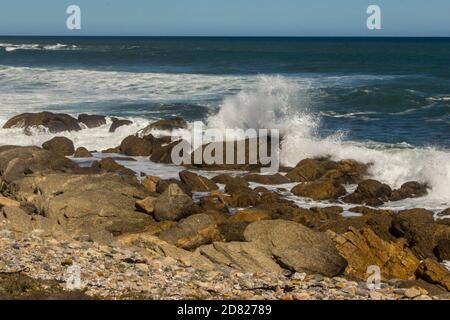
[(10, 47), (277, 103)]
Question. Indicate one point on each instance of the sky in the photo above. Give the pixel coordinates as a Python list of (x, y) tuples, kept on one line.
[(225, 17)]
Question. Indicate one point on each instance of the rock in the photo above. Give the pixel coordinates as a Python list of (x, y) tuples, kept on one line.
[(146, 205), (135, 146), (233, 231), (53, 122), (319, 190), (60, 145), (150, 183), (168, 124), (6, 202), (82, 152), (370, 192), (412, 189), (411, 293), (296, 247), (17, 162), (162, 152), (363, 248), (117, 123), (172, 204), (420, 230), (98, 205), (443, 250), (243, 256), (197, 183), (92, 121), (433, 272), (267, 179), (192, 232), (231, 181), (250, 215), (109, 165), (243, 197), (112, 150)]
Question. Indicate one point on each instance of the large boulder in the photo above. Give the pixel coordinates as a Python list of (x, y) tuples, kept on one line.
[(296, 247), (100, 206), (172, 204), (197, 183), (135, 146), (363, 248), (17, 162), (60, 145), (92, 121), (319, 190), (412, 189), (53, 122), (192, 232), (370, 192), (150, 183)]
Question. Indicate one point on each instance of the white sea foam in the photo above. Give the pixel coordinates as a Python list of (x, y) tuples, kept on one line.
[(10, 47)]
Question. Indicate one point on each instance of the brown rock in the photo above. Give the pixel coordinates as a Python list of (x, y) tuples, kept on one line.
[(296, 247), (162, 152), (7, 202), (442, 250), (319, 190), (117, 123), (192, 232), (370, 192), (60, 145), (309, 170), (135, 146), (82, 152), (92, 121), (267, 179), (150, 183), (197, 183), (109, 165), (51, 121), (112, 150), (172, 204), (363, 248), (146, 205), (412, 189), (250, 215), (167, 124), (433, 272)]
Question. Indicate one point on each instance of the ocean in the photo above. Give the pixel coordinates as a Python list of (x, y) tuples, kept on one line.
[(380, 100)]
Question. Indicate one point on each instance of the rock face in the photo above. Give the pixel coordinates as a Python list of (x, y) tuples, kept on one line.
[(82, 152), (192, 232), (319, 190), (267, 179), (433, 272), (172, 204), (167, 124), (60, 145), (135, 146), (363, 248), (296, 247), (197, 183), (17, 162), (370, 192), (53, 122), (345, 171), (117, 123), (100, 206), (92, 121)]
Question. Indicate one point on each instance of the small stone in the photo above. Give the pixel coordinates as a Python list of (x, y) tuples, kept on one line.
[(375, 295), (412, 293)]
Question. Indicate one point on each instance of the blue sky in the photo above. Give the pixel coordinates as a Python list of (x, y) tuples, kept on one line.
[(226, 17)]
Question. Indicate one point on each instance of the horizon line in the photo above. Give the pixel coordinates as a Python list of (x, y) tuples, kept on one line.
[(222, 36)]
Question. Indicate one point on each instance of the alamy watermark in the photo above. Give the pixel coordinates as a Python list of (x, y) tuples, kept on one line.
[(73, 22), (374, 19), (374, 277)]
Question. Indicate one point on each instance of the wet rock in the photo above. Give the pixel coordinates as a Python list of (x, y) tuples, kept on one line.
[(112, 150), (135, 146), (92, 121), (172, 204), (319, 190), (60, 145), (117, 123), (243, 197), (82, 152), (150, 183), (53, 122), (192, 232), (163, 184), (109, 165), (363, 248), (167, 124), (197, 183), (267, 179), (162, 152), (296, 247), (412, 189), (442, 251), (433, 272), (370, 192), (230, 180), (17, 162)]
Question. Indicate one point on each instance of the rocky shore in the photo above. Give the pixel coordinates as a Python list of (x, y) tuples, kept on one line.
[(229, 236)]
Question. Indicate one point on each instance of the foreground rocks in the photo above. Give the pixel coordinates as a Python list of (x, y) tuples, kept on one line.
[(60, 145)]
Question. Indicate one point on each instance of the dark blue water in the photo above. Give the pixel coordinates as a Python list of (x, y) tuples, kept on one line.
[(386, 90)]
